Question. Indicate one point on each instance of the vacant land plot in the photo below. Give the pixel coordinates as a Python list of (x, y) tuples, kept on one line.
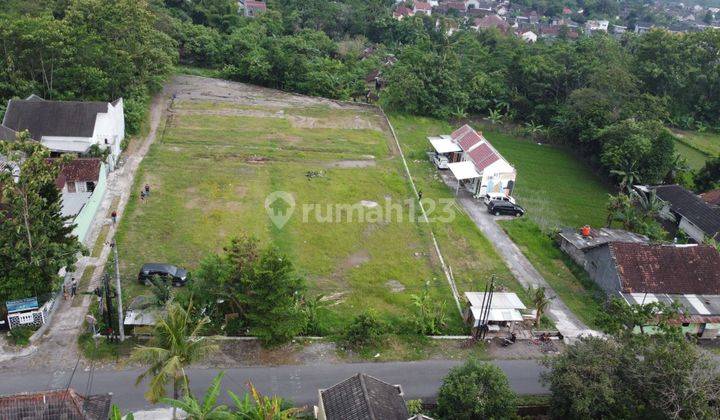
[(556, 190), (227, 146)]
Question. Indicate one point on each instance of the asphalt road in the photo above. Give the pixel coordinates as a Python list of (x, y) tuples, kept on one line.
[(299, 384)]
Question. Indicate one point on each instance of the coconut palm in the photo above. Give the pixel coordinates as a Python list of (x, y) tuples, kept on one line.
[(539, 301), (207, 409), (177, 344)]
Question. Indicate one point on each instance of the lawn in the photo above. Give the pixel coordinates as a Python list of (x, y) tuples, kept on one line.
[(555, 188), (697, 147), (217, 162)]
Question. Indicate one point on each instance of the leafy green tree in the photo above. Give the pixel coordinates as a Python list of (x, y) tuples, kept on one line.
[(539, 300), (365, 330), (708, 177), (177, 343), (255, 406), (428, 318), (35, 242), (476, 390)]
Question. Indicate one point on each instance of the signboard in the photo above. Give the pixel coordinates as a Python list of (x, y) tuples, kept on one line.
[(21, 305)]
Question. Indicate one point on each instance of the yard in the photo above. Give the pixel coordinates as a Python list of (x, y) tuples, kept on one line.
[(226, 147), (555, 188)]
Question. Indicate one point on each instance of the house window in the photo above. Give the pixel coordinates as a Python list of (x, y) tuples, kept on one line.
[(106, 141), (71, 187), (90, 186), (686, 324), (81, 187)]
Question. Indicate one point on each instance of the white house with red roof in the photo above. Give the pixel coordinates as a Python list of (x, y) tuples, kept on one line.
[(475, 163), (422, 7)]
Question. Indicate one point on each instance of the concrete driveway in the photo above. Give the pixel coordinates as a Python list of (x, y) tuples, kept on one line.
[(566, 322)]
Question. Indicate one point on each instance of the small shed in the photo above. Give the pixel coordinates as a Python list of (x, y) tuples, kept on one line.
[(575, 244), (504, 311)]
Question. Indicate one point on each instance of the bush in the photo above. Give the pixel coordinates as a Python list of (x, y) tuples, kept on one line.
[(365, 330), (20, 336), (476, 391)]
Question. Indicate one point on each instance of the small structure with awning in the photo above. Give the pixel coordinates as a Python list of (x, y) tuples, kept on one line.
[(503, 309)]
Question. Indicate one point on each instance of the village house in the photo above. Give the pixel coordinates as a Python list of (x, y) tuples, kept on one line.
[(490, 22), (597, 25), (402, 12), (474, 162), (69, 126), (64, 404), (420, 7), (361, 397), (687, 212), (82, 183), (501, 311), (640, 273), (576, 242), (251, 8), (529, 36)]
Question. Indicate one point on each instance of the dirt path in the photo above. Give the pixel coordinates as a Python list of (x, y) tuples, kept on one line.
[(57, 349)]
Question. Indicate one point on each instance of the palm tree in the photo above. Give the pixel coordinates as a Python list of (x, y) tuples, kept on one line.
[(649, 203), (495, 117), (539, 301), (207, 409), (534, 130), (628, 175), (261, 407), (177, 345)]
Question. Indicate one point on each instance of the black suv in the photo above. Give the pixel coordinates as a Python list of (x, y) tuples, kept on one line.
[(168, 272), (498, 208)]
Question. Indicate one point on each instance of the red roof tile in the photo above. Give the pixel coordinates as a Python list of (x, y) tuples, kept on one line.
[(712, 197), (667, 269), (483, 156), (460, 131), (419, 5), (468, 140), (81, 169)]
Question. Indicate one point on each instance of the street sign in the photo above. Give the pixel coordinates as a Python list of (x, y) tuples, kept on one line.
[(21, 305)]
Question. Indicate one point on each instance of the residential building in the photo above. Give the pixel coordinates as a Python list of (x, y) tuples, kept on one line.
[(64, 404), (712, 197), (252, 8), (576, 242), (687, 212), (69, 126), (686, 274), (597, 25), (421, 7), (475, 163), (402, 12), (503, 314), (490, 22), (361, 397), (529, 36), (82, 183)]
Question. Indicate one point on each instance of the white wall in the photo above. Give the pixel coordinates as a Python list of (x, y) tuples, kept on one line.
[(691, 230), (111, 126)]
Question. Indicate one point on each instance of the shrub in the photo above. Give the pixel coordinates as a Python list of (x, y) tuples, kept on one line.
[(20, 336), (476, 391), (365, 330)]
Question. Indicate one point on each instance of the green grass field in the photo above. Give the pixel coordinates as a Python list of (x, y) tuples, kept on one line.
[(555, 188), (697, 147), (214, 167)]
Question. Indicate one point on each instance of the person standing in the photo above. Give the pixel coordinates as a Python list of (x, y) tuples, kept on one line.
[(73, 287), (114, 216), (147, 190)]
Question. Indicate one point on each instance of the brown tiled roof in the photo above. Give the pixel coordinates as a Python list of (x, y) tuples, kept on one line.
[(362, 397), (712, 197), (667, 268), (81, 169), (491, 21), (59, 404)]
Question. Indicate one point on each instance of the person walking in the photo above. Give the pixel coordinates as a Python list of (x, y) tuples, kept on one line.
[(73, 287), (114, 216), (419, 194), (147, 190), (64, 291)]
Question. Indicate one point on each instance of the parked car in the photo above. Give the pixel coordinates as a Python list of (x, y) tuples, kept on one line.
[(168, 272), (489, 197), (441, 161), (499, 207)]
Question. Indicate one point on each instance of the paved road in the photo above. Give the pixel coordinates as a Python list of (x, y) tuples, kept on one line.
[(297, 383), (566, 322)]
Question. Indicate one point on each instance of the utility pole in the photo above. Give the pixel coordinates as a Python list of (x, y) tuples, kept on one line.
[(121, 320)]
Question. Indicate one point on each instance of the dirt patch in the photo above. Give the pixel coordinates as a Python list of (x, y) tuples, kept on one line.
[(351, 164), (256, 159), (356, 259), (395, 286), (344, 122)]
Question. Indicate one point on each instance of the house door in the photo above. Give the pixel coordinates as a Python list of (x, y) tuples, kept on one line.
[(510, 186)]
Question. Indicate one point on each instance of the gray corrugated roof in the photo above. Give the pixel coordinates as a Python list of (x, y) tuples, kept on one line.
[(53, 118), (363, 397), (691, 207), (7, 133), (600, 236)]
